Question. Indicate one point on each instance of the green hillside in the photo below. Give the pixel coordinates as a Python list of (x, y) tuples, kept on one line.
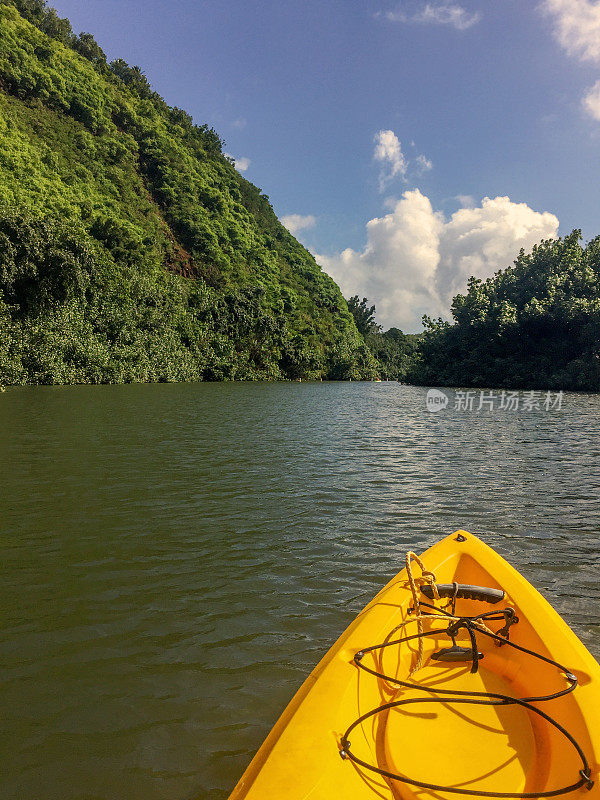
[(130, 247)]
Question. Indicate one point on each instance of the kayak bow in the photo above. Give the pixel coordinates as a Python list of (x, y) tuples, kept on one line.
[(458, 679)]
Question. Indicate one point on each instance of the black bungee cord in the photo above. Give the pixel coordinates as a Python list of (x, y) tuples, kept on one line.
[(448, 696)]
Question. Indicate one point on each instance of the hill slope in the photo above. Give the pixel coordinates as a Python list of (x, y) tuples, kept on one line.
[(130, 247)]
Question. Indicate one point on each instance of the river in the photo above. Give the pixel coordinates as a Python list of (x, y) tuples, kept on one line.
[(176, 558)]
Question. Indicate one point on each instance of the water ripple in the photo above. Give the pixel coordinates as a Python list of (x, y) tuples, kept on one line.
[(177, 558)]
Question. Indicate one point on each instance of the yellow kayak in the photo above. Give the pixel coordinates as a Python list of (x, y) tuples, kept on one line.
[(458, 679)]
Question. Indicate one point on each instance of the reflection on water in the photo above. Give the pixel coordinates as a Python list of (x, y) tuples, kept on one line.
[(177, 557)]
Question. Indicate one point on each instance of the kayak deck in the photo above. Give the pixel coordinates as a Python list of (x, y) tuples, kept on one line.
[(494, 745), (484, 748)]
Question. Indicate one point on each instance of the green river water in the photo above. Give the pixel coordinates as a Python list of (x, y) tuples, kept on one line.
[(176, 558)]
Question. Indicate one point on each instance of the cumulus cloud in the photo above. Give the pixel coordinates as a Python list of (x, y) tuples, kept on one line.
[(296, 222), (480, 240), (416, 260), (576, 26), (465, 200), (388, 151), (241, 164), (591, 101), (437, 14)]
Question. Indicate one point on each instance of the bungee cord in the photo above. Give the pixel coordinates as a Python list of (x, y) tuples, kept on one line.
[(472, 625)]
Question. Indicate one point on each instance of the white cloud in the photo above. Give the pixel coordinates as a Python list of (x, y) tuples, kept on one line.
[(453, 15), (576, 26), (577, 30), (397, 268), (388, 150), (241, 164), (478, 241), (424, 164), (465, 200), (415, 259), (296, 222), (239, 123), (591, 101), (437, 14)]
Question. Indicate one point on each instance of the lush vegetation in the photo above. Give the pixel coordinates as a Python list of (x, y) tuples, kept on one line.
[(395, 351), (132, 250), (130, 247), (533, 325)]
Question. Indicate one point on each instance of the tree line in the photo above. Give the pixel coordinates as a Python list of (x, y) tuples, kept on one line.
[(535, 324)]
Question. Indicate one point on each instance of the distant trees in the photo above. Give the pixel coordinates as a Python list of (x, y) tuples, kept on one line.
[(533, 325), (394, 350), (364, 315)]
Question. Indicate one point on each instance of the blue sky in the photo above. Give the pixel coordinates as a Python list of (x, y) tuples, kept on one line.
[(491, 96)]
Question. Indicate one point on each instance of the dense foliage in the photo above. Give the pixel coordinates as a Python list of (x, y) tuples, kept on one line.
[(132, 250), (130, 247), (533, 325), (364, 315), (395, 351)]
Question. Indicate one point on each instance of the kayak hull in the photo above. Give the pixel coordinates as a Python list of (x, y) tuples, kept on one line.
[(486, 748)]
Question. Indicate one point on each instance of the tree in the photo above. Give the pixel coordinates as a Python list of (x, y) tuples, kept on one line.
[(133, 77), (364, 315), (88, 47)]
